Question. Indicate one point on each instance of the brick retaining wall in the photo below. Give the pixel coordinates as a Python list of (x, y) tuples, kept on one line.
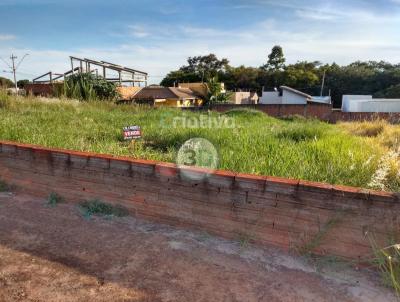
[(321, 111), (338, 115), (267, 210)]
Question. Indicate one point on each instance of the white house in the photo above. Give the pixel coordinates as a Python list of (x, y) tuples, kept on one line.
[(243, 97), (291, 96), (365, 103)]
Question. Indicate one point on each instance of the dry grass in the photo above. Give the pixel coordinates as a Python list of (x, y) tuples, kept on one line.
[(387, 259), (369, 129), (380, 131), (387, 136)]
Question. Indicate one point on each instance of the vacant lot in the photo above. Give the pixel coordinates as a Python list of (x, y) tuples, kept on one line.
[(54, 253), (360, 154)]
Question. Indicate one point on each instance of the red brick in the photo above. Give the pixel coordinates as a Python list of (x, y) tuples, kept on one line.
[(272, 210)]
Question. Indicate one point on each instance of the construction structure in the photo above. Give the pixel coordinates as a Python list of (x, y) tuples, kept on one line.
[(109, 71)]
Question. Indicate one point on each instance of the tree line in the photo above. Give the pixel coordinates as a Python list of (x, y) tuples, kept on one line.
[(7, 83), (380, 79)]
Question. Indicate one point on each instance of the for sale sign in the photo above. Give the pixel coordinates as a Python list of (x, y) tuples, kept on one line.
[(132, 132)]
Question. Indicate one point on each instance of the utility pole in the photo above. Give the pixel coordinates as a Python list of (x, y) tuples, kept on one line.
[(323, 83), (14, 71), (14, 68)]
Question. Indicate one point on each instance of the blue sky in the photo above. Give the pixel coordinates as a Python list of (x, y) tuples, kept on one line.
[(158, 36)]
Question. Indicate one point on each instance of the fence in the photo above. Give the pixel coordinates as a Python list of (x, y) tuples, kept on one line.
[(288, 213)]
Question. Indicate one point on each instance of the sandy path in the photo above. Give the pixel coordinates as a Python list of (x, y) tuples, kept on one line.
[(55, 254)]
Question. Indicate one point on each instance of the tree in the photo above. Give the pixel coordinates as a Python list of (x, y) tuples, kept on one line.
[(377, 78), (199, 68), (215, 93), (301, 75), (242, 77), (272, 70), (390, 92), (206, 66), (21, 83), (276, 59), (6, 83), (179, 76)]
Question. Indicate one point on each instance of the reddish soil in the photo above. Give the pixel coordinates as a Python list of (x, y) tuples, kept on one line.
[(55, 254)]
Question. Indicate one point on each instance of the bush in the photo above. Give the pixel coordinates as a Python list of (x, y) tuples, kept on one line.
[(89, 87), (97, 207), (54, 199)]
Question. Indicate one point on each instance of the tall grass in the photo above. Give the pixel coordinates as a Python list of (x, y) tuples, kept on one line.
[(380, 132), (387, 259), (259, 144)]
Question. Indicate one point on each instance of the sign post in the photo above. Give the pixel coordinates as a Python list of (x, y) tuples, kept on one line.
[(132, 133)]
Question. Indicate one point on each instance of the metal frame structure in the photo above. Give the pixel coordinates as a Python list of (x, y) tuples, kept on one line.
[(52, 76), (86, 65)]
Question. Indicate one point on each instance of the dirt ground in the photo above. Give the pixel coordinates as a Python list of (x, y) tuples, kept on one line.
[(56, 254)]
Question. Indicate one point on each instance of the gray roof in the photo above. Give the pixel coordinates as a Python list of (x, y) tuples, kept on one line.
[(296, 92)]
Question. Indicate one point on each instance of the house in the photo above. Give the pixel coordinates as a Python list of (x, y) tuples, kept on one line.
[(365, 103), (243, 97), (288, 95), (199, 88), (167, 96), (127, 92)]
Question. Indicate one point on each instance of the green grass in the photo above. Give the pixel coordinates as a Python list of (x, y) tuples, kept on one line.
[(296, 147), (4, 187), (388, 261), (97, 207), (316, 240), (54, 199)]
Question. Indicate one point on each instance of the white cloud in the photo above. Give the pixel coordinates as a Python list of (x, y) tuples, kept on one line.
[(7, 37), (316, 15), (138, 31)]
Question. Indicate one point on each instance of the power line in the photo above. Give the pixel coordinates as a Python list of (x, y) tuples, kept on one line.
[(6, 62), (14, 67)]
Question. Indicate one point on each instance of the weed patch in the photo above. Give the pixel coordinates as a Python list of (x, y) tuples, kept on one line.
[(317, 238), (388, 261), (244, 240), (328, 262), (4, 187), (97, 207), (54, 199)]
